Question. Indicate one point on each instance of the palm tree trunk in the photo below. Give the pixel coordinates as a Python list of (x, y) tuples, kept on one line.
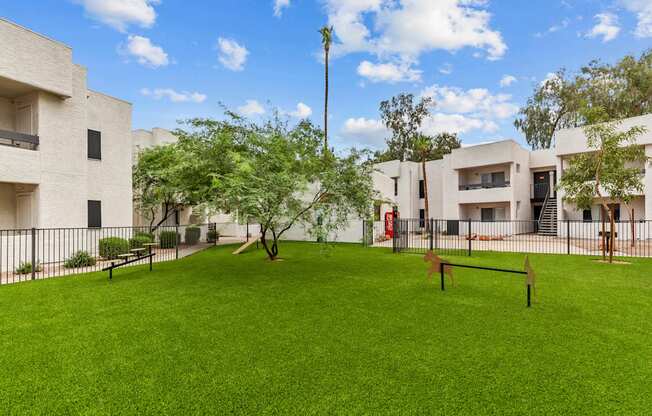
[(425, 192), (326, 53)]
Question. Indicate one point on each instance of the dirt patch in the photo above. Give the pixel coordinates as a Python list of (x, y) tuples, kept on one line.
[(613, 262)]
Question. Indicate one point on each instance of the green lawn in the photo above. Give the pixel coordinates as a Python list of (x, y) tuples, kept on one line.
[(346, 330)]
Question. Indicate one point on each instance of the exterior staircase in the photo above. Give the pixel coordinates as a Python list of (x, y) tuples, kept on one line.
[(548, 219)]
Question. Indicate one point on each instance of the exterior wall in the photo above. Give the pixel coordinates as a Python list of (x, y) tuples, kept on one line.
[(58, 178), (7, 206), (7, 121), (35, 60)]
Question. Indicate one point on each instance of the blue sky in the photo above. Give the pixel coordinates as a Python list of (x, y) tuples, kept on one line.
[(176, 59)]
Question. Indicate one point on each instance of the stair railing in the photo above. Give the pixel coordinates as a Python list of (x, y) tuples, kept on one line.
[(543, 208)]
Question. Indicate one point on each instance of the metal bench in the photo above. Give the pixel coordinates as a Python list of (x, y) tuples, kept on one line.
[(136, 254)]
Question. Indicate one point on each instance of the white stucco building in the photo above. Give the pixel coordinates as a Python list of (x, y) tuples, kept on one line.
[(504, 181), (65, 150)]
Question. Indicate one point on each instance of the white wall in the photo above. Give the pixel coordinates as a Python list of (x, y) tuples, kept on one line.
[(7, 206)]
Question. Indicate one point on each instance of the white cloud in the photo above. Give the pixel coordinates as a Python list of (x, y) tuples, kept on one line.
[(405, 29), (119, 14), (366, 131), (478, 102), (146, 52), (456, 123), (446, 69), (174, 96), (251, 108), (388, 72), (607, 27), (507, 80), (643, 10), (554, 28), (232, 55), (279, 5), (302, 111)]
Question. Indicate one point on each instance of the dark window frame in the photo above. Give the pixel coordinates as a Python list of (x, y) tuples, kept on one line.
[(395, 186), (94, 209), (587, 215), (422, 189), (422, 218), (94, 144)]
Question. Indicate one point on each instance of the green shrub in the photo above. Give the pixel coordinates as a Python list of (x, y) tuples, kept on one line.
[(212, 236), (193, 234), (145, 234), (112, 247), (79, 259), (26, 268), (139, 241), (169, 239)]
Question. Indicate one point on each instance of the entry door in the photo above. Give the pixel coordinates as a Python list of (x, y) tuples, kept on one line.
[(24, 211), (24, 119), (541, 185), (487, 215)]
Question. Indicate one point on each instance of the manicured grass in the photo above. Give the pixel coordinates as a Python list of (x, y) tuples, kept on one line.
[(347, 330)]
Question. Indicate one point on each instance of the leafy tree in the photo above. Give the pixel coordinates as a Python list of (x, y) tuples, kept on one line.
[(607, 172), (283, 177), (403, 118), (426, 148), (158, 184), (621, 90), (175, 176), (326, 40)]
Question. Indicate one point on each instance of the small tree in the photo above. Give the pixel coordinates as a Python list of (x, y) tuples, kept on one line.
[(607, 172), (157, 184), (284, 177)]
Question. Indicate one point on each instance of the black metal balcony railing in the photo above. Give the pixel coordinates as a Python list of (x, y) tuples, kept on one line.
[(15, 139), (489, 185)]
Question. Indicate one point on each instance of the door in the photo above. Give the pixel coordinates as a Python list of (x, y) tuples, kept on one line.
[(487, 214), (541, 185), (24, 119), (24, 211)]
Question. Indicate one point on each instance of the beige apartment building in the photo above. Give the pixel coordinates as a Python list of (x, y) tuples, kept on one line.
[(65, 150), (503, 181)]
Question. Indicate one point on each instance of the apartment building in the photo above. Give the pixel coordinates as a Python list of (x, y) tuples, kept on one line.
[(503, 181), (65, 150)]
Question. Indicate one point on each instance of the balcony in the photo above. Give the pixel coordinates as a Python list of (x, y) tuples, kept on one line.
[(20, 140), (486, 185)]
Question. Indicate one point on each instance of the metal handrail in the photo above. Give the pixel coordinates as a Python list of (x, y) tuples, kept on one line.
[(469, 187), (19, 138), (543, 208)]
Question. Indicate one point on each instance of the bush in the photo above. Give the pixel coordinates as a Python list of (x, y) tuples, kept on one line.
[(112, 247), (169, 239), (139, 241), (212, 236), (193, 233), (144, 234), (79, 259), (26, 268)]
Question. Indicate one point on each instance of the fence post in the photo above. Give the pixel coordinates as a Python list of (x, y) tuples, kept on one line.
[(33, 253), (177, 238), (395, 231), (568, 237), (430, 226), (215, 237), (470, 239)]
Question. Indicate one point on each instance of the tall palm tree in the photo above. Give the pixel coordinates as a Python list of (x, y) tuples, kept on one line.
[(326, 40)]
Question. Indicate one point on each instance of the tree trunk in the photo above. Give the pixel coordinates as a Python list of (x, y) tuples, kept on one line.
[(326, 53), (612, 235), (272, 252), (604, 233), (425, 193)]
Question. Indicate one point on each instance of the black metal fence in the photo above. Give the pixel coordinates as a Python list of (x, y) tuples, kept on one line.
[(38, 253), (632, 238)]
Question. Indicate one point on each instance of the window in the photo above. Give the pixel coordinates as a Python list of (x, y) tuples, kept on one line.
[(422, 189), (616, 211), (518, 168), (498, 178), (377, 211), (94, 214), (94, 145), (587, 216), (395, 186), (487, 214), (422, 218)]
